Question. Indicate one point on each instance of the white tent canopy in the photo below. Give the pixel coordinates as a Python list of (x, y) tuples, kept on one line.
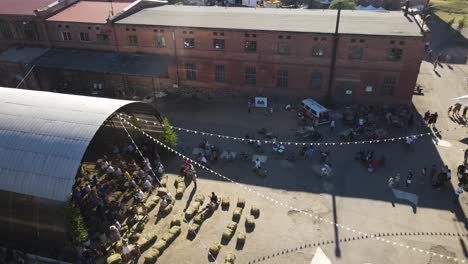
[(462, 100), (43, 137)]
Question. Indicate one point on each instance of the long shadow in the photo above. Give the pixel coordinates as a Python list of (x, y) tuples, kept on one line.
[(335, 228), (463, 246), (190, 198)]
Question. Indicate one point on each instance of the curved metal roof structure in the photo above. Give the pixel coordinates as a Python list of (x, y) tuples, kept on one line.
[(43, 137)]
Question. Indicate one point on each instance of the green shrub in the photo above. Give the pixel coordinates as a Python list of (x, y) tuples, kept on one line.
[(345, 4), (76, 227), (168, 136)]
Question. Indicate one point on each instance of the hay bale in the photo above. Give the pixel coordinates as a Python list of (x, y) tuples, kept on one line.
[(241, 202), (241, 238), (190, 212), (152, 255), (198, 219), (124, 229), (160, 245), (151, 203), (147, 241), (250, 221), (118, 246), (200, 198), (161, 191), (169, 238), (164, 180), (225, 202), (178, 180), (255, 211), (230, 258), (182, 185), (214, 249), (193, 228), (133, 237), (176, 220), (115, 196), (236, 215), (176, 230), (166, 210), (227, 234), (179, 193), (232, 226), (114, 259)]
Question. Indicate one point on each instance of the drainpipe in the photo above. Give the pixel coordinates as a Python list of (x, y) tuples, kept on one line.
[(175, 55), (334, 51)]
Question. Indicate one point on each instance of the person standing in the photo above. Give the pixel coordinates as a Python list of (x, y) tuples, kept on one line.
[(458, 191), (332, 126), (409, 178), (465, 109), (434, 117), (423, 174), (427, 115)]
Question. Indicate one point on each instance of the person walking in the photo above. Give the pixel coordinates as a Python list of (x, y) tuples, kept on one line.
[(458, 191), (433, 119), (332, 126), (409, 178)]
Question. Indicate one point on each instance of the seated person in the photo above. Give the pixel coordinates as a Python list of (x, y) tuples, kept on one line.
[(211, 205), (146, 185), (166, 200), (138, 196)]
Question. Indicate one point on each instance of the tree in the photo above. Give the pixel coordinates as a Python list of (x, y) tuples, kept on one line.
[(168, 136), (345, 4), (76, 227)]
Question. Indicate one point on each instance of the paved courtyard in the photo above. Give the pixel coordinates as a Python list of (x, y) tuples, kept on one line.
[(420, 217)]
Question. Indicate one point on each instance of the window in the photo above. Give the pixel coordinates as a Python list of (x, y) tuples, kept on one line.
[(318, 51), (132, 40), (392, 42), (219, 73), (250, 76), (402, 42), (388, 85), (250, 46), (246, 35), (355, 53), (362, 41), (316, 81), (190, 72), (218, 44), (353, 41), (222, 33), (394, 54), (282, 79), (66, 36), (283, 49), (84, 36), (160, 41), (280, 37), (5, 30), (189, 43), (102, 38)]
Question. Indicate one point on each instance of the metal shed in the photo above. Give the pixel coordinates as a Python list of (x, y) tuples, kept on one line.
[(43, 137)]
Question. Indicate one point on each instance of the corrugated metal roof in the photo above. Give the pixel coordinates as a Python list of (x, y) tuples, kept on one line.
[(43, 137)]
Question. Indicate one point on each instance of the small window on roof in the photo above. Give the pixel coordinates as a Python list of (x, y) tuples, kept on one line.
[(392, 42), (361, 41), (185, 32), (288, 37), (89, 27), (254, 35), (133, 29), (161, 30), (324, 38), (222, 33), (97, 28), (280, 37), (191, 32), (402, 42), (59, 26), (215, 33), (246, 35), (67, 26), (127, 29), (155, 30), (316, 38), (353, 41)]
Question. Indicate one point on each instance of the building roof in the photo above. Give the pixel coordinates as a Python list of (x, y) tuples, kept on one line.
[(106, 62), (43, 137), (276, 19), (88, 12), (21, 55), (22, 7)]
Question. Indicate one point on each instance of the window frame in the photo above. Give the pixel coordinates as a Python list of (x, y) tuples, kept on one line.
[(250, 46), (187, 41), (84, 35), (159, 41), (280, 48), (132, 40), (352, 54), (67, 34), (386, 84), (393, 55), (220, 75), (318, 51), (282, 78), (190, 71), (220, 40), (250, 76)]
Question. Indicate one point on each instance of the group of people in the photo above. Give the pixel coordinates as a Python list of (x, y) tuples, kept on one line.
[(455, 110), (438, 178), (124, 172), (430, 119)]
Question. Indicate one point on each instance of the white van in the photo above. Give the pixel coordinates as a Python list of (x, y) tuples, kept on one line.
[(315, 111)]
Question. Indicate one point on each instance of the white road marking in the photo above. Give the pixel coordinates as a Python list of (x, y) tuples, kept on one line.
[(320, 257)]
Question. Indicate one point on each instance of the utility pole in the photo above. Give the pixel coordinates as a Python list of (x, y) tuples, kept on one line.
[(175, 55), (334, 52)]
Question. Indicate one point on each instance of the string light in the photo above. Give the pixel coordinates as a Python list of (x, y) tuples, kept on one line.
[(286, 205), (300, 143)]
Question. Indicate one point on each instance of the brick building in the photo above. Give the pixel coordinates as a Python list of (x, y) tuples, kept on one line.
[(236, 50)]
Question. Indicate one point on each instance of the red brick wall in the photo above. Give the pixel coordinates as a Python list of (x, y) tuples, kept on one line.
[(55, 30)]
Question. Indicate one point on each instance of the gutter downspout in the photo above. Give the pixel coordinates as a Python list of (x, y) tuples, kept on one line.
[(334, 51), (175, 55)]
